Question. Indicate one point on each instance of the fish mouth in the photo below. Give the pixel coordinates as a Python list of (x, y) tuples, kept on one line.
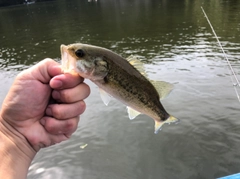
[(71, 65), (67, 61)]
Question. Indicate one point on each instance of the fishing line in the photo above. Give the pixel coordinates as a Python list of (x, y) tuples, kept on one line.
[(235, 84)]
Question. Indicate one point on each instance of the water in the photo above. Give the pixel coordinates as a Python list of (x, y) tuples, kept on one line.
[(176, 44)]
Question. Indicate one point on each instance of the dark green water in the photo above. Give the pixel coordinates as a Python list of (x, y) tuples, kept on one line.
[(176, 44)]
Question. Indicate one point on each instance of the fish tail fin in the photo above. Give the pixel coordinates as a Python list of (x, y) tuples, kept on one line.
[(159, 124)]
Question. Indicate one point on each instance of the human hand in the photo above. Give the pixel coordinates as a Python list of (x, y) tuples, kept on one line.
[(28, 111)]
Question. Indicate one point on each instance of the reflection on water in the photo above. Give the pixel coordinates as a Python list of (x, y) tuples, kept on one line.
[(10, 60), (176, 44)]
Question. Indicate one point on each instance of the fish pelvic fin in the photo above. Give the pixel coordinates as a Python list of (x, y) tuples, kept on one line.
[(159, 124), (132, 113), (105, 96)]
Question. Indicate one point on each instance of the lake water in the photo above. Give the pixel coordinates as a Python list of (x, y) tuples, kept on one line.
[(176, 44)]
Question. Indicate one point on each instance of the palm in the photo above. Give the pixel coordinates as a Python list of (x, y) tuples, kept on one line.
[(29, 108), (34, 99)]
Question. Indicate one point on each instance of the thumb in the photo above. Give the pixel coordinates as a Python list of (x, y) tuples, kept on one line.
[(45, 70)]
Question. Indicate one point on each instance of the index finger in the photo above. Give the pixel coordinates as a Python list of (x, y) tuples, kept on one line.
[(65, 81)]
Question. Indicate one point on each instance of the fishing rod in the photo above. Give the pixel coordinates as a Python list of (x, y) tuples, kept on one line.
[(236, 83)]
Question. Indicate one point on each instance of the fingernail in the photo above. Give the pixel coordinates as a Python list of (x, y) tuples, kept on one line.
[(49, 111), (42, 121)]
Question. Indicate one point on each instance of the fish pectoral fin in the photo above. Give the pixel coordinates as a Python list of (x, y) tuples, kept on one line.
[(132, 113), (104, 96), (159, 124), (163, 88)]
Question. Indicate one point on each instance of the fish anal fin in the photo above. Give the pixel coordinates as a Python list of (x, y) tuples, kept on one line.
[(159, 124), (163, 88), (132, 113), (104, 96)]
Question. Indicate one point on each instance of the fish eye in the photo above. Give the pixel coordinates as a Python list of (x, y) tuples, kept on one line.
[(79, 53)]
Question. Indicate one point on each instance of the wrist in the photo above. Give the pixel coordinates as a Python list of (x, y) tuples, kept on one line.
[(15, 151)]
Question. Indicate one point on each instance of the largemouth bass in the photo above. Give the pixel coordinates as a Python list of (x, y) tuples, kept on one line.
[(117, 77)]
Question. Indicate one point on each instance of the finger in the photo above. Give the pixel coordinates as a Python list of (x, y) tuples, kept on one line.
[(75, 94), (51, 139), (66, 111), (58, 127), (65, 81)]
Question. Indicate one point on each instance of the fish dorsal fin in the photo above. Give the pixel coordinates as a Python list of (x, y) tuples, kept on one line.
[(105, 96), (163, 88), (132, 113), (134, 61)]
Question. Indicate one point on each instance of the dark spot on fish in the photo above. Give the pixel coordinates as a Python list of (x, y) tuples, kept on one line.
[(142, 99), (165, 116), (134, 93), (105, 79), (80, 53), (126, 84)]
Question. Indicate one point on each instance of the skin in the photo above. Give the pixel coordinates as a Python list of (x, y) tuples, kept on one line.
[(28, 122)]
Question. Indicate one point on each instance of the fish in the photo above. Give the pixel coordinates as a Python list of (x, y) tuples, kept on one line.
[(120, 78)]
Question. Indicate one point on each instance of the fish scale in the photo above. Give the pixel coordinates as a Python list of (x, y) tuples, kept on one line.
[(141, 92)]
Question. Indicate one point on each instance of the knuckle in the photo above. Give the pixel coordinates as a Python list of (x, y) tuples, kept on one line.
[(47, 60), (71, 125)]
